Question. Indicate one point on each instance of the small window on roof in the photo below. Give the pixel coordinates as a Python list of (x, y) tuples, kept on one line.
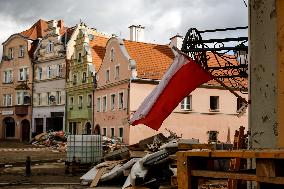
[(112, 55)]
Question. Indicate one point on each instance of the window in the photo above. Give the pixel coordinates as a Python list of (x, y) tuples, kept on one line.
[(99, 104), (90, 99), (111, 54), (49, 47), (79, 57), (104, 104), (48, 98), (107, 75), (11, 53), (240, 104), (58, 97), (84, 78), (120, 100), (74, 79), (7, 76), (112, 101), (7, 100), (39, 99), (116, 72), (71, 103), (59, 70), (112, 132), (120, 134), (23, 98), (21, 51), (80, 102), (214, 103), (23, 74), (104, 131), (49, 72), (39, 72), (186, 103)]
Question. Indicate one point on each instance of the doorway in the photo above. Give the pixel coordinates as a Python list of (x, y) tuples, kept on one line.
[(9, 124), (25, 125)]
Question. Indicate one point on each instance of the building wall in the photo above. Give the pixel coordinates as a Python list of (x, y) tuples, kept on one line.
[(194, 123), (76, 114), (9, 88), (116, 118)]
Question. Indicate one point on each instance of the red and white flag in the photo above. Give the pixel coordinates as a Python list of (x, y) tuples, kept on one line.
[(180, 80)]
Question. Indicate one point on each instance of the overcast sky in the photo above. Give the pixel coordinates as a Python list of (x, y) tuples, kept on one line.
[(161, 18)]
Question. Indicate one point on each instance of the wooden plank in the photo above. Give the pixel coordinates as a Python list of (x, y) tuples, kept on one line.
[(183, 172), (265, 167), (223, 175), (272, 180), (98, 177), (184, 146), (273, 154)]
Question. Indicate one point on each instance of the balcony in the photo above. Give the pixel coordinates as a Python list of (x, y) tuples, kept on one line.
[(22, 109)]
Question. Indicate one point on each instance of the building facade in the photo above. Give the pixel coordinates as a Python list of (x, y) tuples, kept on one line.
[(49, 80), (87, 56), (131, 70), (16, 86)]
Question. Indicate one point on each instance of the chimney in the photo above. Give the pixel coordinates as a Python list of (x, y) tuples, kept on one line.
[(136, 33), (176, 41), (60, 24)]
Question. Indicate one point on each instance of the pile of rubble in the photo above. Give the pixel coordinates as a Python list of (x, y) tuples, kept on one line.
[(55, 140), (147, 164)]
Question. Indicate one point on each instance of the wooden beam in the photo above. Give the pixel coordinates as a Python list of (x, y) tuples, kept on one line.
[(223, 175)]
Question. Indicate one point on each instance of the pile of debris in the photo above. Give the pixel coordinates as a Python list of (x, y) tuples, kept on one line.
[(148, 163), (55, 140)]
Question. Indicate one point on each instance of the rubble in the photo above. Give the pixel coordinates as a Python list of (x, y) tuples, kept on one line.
[(55, 140)]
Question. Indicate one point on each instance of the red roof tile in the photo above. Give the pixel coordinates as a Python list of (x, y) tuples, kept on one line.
[(98, 48)]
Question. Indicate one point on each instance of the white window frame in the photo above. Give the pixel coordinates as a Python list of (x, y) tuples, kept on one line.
[(39, 73), (59, 69), (49, 72), (48, 94), (121, 137), (7, 76), (99, 104), (21, 51), (117, 73), (58, 97), (80, 102), (11, 53), (184, 103), (20, 95), (7, 100), (49, 47), (118, 101), (104, 106), (25, 72), (84, 77), (112, 104)]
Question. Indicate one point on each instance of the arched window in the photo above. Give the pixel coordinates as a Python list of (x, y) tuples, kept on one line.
[(84, 79), (74, 79)]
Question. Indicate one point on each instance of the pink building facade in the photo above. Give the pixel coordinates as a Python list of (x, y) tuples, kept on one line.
[(130, 71)]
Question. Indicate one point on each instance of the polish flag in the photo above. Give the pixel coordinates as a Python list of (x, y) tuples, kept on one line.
[(183, 76)]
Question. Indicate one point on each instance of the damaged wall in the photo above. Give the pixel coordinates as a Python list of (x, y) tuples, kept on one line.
[(266, 67)]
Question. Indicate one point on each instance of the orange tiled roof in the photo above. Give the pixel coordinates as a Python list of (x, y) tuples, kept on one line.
[(213, 62), (98, 48), (152, 60), (36, 31)]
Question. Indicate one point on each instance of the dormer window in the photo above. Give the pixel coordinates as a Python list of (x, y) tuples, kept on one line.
[(49, 47), (111, 55), (21, 51)]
